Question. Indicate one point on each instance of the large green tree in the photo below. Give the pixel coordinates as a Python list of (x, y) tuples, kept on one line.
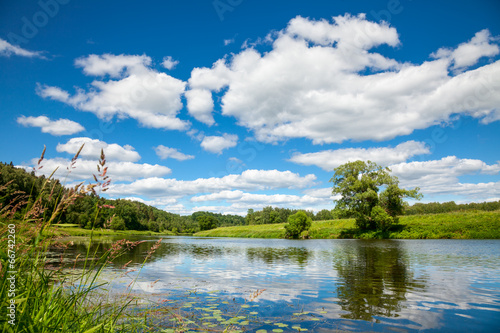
[(369, 193)]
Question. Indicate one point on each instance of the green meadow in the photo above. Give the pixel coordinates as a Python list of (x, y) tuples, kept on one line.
[(454, 225)]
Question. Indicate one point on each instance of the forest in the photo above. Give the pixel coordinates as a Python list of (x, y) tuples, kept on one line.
[(20, 187)]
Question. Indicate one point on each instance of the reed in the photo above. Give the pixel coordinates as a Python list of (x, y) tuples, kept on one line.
[(38, 295)]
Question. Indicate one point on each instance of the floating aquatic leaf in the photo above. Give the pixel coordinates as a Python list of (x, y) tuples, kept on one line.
[(323, 312), (261, 331), (278, 330), (254, 313), (245, 306), (244, 323)]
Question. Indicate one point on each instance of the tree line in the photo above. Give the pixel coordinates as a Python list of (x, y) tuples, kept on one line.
[(21, 188), (451, 206), (273, 215)]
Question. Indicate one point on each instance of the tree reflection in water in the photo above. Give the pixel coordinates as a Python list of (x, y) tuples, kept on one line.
[(374, 280), (167, 250), (272, 255)]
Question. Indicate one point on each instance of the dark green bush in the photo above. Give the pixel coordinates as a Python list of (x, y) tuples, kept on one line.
[(297, 223)]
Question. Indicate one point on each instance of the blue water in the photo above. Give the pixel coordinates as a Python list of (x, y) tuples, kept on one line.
[(327, 285)]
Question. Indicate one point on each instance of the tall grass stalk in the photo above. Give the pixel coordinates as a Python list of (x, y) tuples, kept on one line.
[(51, 297)]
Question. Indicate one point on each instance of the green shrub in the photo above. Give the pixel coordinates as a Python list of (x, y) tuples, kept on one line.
[(297, 223)]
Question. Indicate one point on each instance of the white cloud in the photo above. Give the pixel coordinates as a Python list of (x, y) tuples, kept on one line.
[(134, 90), (322, 81), (200, 105), (54, 127), (84, 169), (216, 144), (115, 66), (441, 177), (92, 149), (330, 159), (262, 199), (166, 152), (247, 180), (245, 201), (169, 63), (160, 202), (240, 201), (467, 54), (214, 78), (7, 49)]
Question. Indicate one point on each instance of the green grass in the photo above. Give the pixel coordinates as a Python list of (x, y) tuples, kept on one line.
[(456, 225), (246, 231), (75, 230)]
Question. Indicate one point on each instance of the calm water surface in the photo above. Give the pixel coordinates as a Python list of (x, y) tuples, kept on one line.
[(327, 285)]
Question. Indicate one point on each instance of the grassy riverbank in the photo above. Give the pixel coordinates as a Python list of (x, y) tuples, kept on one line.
[(75, 230), (456, 225)]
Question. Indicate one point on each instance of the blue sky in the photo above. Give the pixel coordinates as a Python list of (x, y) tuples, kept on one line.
[(232, 104)]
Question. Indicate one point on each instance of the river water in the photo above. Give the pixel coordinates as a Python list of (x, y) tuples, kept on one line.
[(321, 285)]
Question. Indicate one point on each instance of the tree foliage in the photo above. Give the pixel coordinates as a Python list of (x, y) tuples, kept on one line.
[(297, 223), (451, 206), (206, 222), (359, 185)]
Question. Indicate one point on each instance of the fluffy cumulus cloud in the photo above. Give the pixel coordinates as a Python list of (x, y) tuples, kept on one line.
[(467, 54), (7, 49), (54, 127), (127, 87), (330, 159), (323, 81), (216, 144), (200, 105), (169, 63), (249, 180), (83, 170), (254, 199), (238, 202), (92, 149), (167, 152), (442, 177), (120, 161)]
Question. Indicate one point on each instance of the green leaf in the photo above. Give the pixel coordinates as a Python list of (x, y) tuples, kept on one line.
[(93, 329)]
